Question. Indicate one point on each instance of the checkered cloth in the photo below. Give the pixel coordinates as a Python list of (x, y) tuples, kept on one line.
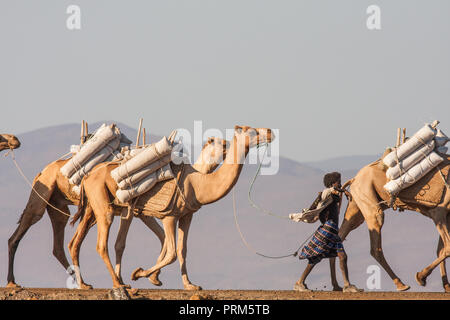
[(325, 243)]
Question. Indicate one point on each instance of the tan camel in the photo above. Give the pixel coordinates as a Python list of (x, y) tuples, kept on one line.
[(194, 189), (212, 154), (369, 200), (56, 190), (8, 141)]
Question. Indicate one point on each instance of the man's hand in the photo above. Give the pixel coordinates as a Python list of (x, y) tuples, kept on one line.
[(348, 195)]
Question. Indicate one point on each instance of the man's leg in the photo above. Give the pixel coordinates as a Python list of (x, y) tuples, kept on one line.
[(343, 264), (348, 287), (300, 285)]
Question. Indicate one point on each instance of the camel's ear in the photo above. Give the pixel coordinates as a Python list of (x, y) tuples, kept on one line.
[(238, 129), (172, 136)]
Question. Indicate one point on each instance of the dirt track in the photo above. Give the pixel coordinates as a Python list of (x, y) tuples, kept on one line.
[(155, 294)]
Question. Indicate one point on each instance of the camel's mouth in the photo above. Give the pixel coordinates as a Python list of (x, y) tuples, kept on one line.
[(14, 144), (265, 137)]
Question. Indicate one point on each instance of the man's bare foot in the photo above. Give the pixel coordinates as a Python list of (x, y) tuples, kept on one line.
[(352, 288), (301, 287)]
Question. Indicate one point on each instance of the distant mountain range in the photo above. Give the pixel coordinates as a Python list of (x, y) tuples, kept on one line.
[(217, 257)]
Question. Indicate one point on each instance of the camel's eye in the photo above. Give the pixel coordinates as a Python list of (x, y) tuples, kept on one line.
[(252, 133)]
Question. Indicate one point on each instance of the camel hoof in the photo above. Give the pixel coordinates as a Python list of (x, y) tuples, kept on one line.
[(135, 274), (154, 280), (447, 288), (85, 286), (404, 288), (420, 281), (13, 285), (119, 294), (337, 289), (192, 287)]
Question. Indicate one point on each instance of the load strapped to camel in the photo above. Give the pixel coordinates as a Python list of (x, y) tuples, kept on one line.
[(103, 145), (413, 159), (143, 169)]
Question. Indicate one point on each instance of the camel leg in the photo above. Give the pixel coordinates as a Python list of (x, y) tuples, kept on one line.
[(153, 278), (445, 283), (183, 230), (120, 244), (353, 218), (75, 245), (59, 222), (151, 223), (103, 226), (170, 256), (104, 214), (374, 217), (439, 216), (32, 213)]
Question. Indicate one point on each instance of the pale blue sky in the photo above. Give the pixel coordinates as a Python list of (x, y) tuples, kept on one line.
[(309, 68)]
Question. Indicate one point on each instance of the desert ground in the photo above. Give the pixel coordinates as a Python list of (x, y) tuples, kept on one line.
[(159, 294)]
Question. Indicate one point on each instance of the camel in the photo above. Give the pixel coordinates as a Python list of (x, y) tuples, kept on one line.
[(369, 200), (193, 190), (55, 195), (8, 141), (212, 154)]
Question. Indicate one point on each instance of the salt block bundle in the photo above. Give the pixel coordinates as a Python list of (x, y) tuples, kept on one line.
[(97, 149), (145, 184), (412, 160), (146, 168)]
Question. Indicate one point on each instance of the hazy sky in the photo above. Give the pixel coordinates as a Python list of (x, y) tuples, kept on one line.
[(309, 68)]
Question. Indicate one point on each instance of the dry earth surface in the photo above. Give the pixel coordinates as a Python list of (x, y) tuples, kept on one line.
[(158, 294)]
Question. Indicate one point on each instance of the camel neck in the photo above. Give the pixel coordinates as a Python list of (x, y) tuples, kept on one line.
[(214, 186)]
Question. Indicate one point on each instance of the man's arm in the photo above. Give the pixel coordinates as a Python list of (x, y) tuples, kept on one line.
[(316, 202)]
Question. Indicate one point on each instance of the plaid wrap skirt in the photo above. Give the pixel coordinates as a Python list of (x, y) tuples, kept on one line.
[(325, 243)]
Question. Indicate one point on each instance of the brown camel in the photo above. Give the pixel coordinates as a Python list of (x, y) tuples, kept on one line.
[(369, 200), (193, 190), (212, 154), (57, 192), (8, 141)]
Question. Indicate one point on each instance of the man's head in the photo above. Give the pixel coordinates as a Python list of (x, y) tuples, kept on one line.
[(332, 179)]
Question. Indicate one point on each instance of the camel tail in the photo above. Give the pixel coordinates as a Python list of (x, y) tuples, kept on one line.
[(81, 207)]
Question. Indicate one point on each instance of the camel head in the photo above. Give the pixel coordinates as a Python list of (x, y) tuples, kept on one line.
[(213, 152), (8, 141), (253, 136)]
